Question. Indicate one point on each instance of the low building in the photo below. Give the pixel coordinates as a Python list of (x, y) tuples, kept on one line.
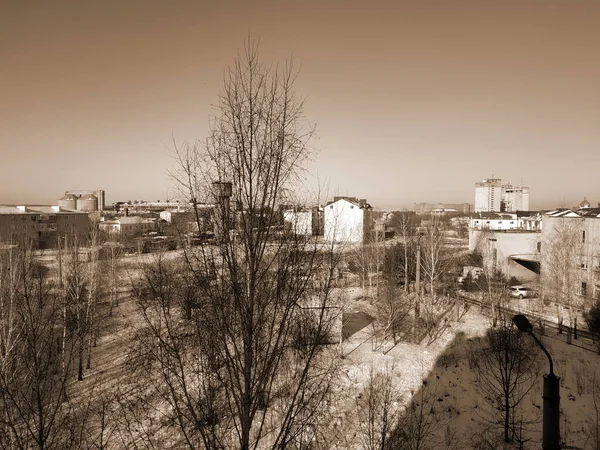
[(42, 225), (128, 226), (299, 221), (514, 252), (521, 220), (455, 208)]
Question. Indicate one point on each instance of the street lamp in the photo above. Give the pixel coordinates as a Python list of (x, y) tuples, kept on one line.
[(551, 396)]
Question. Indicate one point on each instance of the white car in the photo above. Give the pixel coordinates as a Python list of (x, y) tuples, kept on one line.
[(521, 292)]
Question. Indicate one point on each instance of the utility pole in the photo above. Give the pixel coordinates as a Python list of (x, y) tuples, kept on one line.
[(551, 393), (418, 281), (60, 271)]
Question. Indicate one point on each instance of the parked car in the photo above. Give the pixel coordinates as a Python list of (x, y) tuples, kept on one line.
[(521, 292)]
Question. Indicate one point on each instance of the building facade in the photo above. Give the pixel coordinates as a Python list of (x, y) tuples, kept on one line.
[(570, 252), (299, 221), (347, 220), (514, 198), (128, 226), (42, 225), (493, 196), (428, 208), (85, 200), (488, 194), (514, 252)]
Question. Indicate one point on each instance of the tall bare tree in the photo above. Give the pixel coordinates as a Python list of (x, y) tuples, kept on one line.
[(405, 226), (34, 412), (506, 368), (561, 267), (377, 410), (242, 364)]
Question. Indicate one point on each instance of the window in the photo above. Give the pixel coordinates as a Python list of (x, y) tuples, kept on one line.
[(583, 237), (583, 288), (539, 247), (351, 206)]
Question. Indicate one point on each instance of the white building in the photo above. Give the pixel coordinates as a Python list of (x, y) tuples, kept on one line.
[(493, 196), (488, 194), (514, 198), (346, 220), (514, 252), (572, 234), (300, 221), (131, 225), (495, 222)]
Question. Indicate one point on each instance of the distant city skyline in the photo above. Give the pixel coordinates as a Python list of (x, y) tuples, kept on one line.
[(413, 101)]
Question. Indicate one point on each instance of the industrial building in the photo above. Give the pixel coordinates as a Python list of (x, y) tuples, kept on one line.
[(442, 208), (42, 225), (493, 196), (83, 200)]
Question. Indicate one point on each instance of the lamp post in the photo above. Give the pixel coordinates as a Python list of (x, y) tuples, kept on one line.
[(551, 396)]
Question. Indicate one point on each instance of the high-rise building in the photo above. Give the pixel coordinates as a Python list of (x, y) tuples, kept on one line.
[(488, 194), (493, 196), (514, 198)]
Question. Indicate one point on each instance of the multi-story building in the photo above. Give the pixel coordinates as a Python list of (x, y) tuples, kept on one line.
[(347, 219), (514, 198), (488, 194), (493, 196), (570, 254), (42, 225)]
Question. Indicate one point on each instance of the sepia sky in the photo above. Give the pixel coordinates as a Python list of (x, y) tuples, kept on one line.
[(413, 101)]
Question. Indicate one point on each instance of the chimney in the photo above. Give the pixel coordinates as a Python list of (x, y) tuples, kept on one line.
[(362, 202)]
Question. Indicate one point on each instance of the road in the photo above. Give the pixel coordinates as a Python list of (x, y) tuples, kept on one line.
[(542, 325)]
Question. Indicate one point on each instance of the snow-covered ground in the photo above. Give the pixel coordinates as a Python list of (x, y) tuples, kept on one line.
[(444, 367)]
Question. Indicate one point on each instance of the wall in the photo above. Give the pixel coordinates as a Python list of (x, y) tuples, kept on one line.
[(344, 222), (300, 221), (585, 256), (496, 224), (504, 244)]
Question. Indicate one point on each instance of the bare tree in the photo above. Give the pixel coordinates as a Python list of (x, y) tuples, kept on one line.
[(377, 410), (405, 226), (237, 367), (435, 258), (424, 424), (435, 262), (492, 277), (506, 368), (561, 265), (34, 411)]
